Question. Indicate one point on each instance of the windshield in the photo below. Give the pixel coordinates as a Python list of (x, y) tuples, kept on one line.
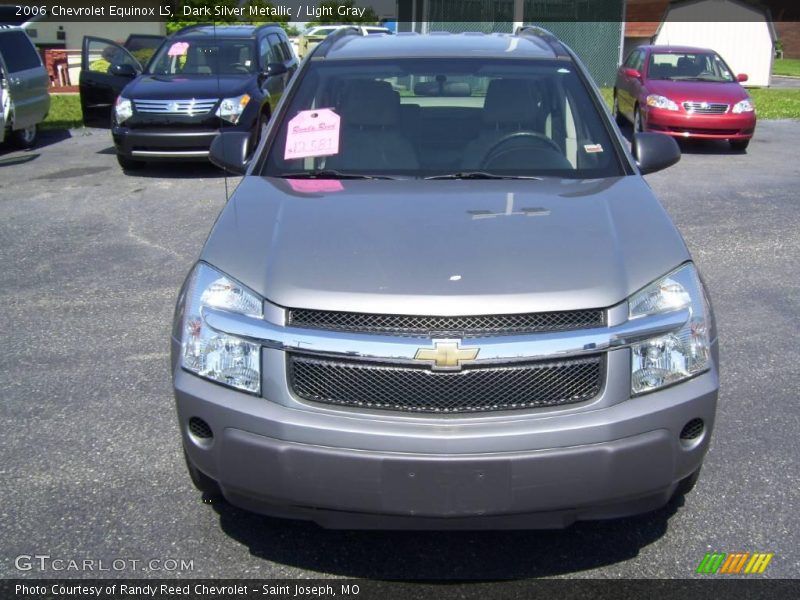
[(438, 117), (204, 57), (688, 66)]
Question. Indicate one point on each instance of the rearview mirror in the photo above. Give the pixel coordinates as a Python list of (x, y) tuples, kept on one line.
[(230, 151), (742, 77), (654, 151), (124, 70)]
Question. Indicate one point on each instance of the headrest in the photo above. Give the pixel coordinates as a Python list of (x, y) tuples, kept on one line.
[(509, 101), (371, 103)]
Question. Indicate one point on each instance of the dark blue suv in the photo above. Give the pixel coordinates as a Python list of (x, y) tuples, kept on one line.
[(198, 81)]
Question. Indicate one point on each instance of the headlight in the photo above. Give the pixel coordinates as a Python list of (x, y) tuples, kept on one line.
[(231, 109), (743, 106), (674, 357), (656, 101), (123, 109), (212, 354)]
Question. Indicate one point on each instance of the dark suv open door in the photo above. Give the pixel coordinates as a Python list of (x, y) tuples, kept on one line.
[(106, 68), (143, 45)]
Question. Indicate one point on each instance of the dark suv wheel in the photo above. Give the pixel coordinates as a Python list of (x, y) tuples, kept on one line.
[(128, 163)]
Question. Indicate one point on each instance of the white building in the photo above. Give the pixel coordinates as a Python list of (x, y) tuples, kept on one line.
[(742, 34)]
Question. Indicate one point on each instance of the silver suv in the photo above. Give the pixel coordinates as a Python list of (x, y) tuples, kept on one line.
[(24, 99), (443, 296)]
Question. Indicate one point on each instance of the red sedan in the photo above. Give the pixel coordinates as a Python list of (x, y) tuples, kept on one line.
[(684, 92)]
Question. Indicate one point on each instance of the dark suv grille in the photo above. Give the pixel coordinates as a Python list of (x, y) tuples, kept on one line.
[(191, 106), (461, 327), (475, 389)]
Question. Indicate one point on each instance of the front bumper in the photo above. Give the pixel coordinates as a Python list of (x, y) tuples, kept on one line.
[(375, 469), (685, 125), (163, 144)]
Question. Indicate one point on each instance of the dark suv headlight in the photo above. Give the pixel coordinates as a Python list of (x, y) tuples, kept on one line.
[(231, 109), (123, 110)]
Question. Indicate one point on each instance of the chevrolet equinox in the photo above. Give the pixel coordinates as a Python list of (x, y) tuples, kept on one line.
[(443, 296)]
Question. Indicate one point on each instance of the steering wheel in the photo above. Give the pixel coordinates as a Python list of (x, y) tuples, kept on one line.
[(497, 149), (239, 67)]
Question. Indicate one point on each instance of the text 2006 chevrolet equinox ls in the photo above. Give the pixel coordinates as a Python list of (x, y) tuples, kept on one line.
[(444, 296)]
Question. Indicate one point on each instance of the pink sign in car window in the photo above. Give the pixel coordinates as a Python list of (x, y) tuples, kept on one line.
[(313, 133), (178, 49)]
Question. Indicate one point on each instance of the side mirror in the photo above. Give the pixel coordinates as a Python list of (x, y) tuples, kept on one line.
[(274, 69), (230, 151), (654, 151), (124, 70), (742, 77), (633, 73)]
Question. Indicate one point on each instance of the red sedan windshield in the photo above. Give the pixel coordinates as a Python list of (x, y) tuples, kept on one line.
[(688, 66)]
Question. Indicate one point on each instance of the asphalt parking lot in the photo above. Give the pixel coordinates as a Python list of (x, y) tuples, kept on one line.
[(90, 459)]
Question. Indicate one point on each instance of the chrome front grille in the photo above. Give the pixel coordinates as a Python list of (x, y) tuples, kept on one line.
[(191, 107), (363, 384), (706, 108), (433, 326)]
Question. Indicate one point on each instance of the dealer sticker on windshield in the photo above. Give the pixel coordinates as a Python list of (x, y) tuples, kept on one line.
[(178, 49), (592, 148), (313, 133)]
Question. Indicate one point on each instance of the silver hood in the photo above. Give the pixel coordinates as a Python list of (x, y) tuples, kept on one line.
[(445, 247)]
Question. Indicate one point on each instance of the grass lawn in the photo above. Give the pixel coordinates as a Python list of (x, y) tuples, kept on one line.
[(770, 103), (65, 112), (786, 66), (776, 104)]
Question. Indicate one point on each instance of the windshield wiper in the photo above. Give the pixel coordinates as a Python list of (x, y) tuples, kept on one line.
[(482, 175), (693, 78), (330, 174)]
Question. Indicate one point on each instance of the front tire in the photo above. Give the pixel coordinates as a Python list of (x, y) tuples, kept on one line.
[(26, 138), (201, 481), (687, 484), (739, 145), (129, 164)]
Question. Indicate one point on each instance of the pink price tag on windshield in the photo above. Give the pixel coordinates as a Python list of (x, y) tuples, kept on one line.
[(313, 133), (178, 49)]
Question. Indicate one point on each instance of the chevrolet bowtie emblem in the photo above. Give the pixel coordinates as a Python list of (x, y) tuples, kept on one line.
[(446, 355)]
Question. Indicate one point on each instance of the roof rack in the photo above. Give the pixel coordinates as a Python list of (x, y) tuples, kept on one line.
[(190, 27), (546, 36), (325, 45)]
